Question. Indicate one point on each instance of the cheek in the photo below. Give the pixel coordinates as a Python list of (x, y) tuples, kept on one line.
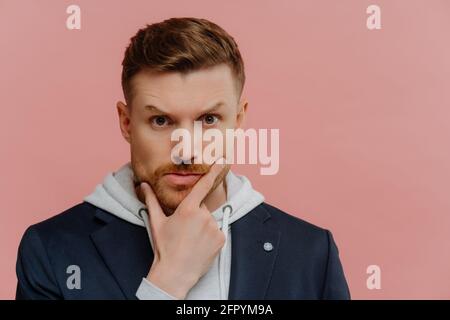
[(150, 145)]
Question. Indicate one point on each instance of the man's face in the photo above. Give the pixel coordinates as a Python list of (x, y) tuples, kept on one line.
[(163, 102)]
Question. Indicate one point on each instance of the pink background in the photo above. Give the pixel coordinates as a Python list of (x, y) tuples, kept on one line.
[(363, 115)]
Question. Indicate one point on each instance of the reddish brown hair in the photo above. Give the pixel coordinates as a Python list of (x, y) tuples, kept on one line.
[(182, 45)]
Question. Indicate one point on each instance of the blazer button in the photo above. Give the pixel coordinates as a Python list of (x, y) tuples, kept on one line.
[(268, 246)]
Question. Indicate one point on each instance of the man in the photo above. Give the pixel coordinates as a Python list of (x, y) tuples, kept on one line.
[(156, 229)]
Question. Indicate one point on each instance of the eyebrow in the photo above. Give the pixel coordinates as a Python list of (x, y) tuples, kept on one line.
[(155, 109)]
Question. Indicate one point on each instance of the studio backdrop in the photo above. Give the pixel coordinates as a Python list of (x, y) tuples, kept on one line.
[(359, 92)]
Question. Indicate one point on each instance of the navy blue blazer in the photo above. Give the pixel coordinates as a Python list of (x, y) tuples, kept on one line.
[(114, 255)]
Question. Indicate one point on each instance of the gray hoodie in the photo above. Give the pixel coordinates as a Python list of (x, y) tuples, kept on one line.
[(117, 196)]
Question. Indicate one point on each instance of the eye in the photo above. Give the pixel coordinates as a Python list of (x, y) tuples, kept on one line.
[(210, 119), (159, 121)]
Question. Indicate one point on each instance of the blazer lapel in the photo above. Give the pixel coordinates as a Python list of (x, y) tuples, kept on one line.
[(251, 263), (126, 251)]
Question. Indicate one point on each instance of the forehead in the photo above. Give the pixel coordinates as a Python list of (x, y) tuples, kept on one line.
[(178, 92)]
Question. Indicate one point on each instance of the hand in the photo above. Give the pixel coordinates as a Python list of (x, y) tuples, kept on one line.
[(185, 243)]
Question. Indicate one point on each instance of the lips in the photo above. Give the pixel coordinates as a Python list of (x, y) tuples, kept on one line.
[(182, 178)]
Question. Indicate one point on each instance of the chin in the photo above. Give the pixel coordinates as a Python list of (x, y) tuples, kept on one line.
[(172, 198)]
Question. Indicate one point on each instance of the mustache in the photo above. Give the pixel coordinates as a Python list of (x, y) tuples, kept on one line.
[(172, 168), (183, 167)]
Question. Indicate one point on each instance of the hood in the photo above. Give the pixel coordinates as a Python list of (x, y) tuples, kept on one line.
[(117, 196)]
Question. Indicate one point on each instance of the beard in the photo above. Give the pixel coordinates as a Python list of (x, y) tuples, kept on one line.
[(169, 196)]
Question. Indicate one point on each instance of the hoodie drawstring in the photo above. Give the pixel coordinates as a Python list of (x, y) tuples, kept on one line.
[(222, 265)]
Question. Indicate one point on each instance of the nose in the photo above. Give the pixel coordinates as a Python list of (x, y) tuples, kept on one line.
[(192, 145), (183, 159)]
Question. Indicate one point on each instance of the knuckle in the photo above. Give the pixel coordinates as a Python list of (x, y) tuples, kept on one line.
[(213, 224), (209, 227), (208, 222)]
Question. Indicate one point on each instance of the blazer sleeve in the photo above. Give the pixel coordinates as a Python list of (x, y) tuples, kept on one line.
[(35, 277), (335, 285)]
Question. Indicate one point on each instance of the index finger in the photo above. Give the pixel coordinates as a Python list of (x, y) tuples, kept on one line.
[(204, 184)]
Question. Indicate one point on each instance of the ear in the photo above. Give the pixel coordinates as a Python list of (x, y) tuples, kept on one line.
[(242, 109), (124, 119)]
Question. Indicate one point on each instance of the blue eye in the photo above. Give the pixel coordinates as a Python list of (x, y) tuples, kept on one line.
[(159, 121), (210, 119)]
